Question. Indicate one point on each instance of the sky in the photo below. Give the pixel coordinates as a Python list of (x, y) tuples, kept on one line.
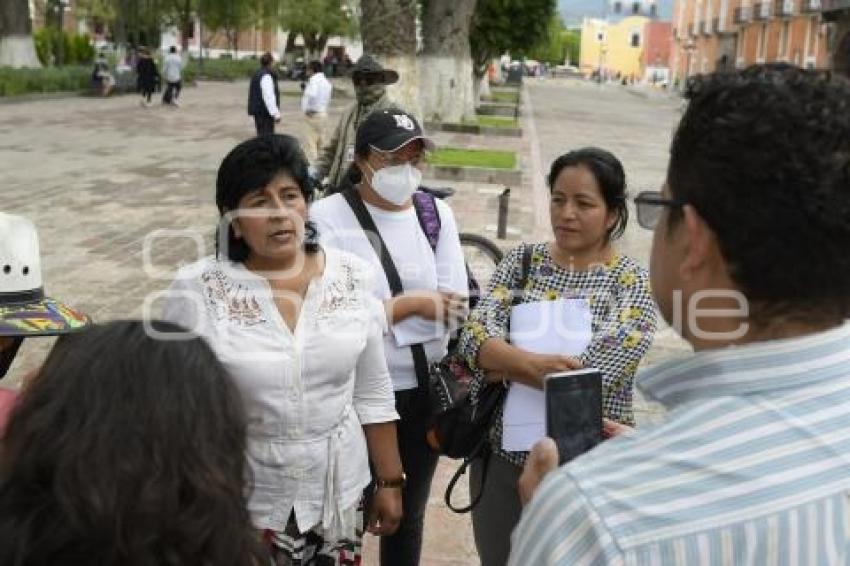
[(572, 11)]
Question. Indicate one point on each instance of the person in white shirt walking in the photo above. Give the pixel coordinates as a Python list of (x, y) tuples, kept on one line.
[(314, 104), (298, 330), (264, 97), (172, 69)]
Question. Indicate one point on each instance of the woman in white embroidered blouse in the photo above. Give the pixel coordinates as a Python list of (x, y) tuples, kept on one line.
[(300, 333)]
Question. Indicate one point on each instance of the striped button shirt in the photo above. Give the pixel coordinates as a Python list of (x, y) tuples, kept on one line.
[(752, 466)]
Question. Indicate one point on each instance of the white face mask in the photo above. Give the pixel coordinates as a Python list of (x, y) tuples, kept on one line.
[(397, 183)]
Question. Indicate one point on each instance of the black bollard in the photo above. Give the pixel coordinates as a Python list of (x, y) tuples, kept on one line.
[(504, 201)]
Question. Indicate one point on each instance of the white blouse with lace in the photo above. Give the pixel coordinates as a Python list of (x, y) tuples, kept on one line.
[(307, 393)]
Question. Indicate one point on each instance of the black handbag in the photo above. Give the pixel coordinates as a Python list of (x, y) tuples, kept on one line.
[(460, 420)]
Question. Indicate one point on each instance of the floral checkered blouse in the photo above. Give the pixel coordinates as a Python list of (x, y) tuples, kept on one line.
[(624, 321)]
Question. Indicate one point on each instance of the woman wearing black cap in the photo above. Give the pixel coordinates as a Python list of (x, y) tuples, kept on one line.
[(390, 151)]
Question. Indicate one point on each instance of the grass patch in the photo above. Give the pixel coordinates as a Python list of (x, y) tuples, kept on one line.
[(503, 96), (490, 158), (221, 69), (493, 122)]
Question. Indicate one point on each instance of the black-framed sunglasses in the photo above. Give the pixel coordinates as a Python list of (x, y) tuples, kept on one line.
[(650, 205)]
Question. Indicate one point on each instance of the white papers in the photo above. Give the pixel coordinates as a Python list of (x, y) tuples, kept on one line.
[(551, 327)]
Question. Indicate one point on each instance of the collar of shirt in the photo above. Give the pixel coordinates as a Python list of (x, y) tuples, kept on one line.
[(760, 367)]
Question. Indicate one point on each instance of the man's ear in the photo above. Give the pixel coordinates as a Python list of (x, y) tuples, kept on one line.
[(699, 243)]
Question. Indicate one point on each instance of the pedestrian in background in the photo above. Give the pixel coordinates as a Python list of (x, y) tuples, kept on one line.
[(172, 68), (264, 97), (148, 76), (314, 104)]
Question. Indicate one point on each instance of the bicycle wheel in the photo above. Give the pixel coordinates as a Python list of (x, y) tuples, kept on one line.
[(481, 255)]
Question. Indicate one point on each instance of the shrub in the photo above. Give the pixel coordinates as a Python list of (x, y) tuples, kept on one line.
[(78, 47), (51, 79)]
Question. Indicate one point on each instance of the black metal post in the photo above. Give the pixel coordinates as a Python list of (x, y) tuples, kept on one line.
[(504, 202)]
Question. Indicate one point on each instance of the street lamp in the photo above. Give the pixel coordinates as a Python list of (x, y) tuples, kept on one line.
[(690, 47), (60, 7), (600, 37)]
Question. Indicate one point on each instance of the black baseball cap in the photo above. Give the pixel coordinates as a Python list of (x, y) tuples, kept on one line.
[(388, 130)]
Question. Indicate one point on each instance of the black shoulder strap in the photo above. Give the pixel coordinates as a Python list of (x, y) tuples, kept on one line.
[(375, 239), (420, 361)]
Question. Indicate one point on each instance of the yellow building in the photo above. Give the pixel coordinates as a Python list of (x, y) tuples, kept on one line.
[(613, 47)]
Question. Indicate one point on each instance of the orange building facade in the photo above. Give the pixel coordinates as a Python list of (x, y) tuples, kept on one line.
[(713, 35)]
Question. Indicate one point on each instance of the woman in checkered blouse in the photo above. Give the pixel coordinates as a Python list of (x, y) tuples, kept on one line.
[(588, 212)]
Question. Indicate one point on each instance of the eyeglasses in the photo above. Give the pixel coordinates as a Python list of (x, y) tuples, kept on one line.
[(650, 205), (389, 159)]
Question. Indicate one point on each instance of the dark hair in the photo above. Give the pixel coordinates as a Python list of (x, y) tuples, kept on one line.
[(249, 167), (172, 49), (266, 59), (315, 66), (609, 175), (127, 450), (763, 155)]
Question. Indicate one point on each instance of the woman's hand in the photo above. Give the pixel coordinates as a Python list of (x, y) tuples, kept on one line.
[(537, 366), (445, 307), (386, 511)]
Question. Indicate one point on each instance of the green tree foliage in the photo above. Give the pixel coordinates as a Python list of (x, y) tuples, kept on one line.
[(317, 20), (98, 11), (558, 46), (228, 17), (507, 25)]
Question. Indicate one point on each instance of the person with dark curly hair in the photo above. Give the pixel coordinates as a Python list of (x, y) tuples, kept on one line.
[(297, 328), (127, 448), (588, 212), (750, 265)]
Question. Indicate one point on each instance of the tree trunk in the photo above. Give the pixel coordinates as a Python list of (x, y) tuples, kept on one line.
[(16, 46), (388, 28), (186, 20), (447, 93), (481, 84)]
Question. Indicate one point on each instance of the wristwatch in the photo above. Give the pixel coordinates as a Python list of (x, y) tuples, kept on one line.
[(398, 482)]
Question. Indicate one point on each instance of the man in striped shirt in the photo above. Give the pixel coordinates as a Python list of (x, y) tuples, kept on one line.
[(751, 265)]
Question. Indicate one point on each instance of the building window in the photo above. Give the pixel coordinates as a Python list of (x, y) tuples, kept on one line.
[(653, 11), (618, 7), (635, 39), (784, 40), (762, 43), (636, 8), (740, 46), (811, 48)]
